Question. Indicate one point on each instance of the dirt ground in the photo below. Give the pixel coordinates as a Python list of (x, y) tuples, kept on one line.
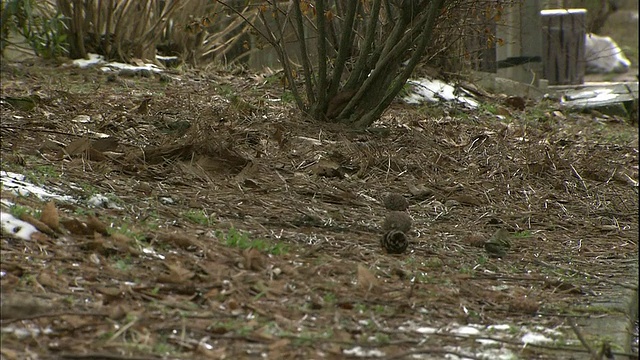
[(233, 227)]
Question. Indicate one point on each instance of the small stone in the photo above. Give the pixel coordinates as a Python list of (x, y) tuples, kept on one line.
[(397, 220), (395, 242), (395, 202)]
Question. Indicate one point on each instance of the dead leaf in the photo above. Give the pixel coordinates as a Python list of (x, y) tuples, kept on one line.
[(21, 306), (233, 305), (366, 280), (95, 225), (9, 354), (49, 216), (105, 144), (516, 102), (76, 227), (501, 110), (219, 352), (466, 199), (253, 259), (279, 136), (420, 192), (117, 312), (42, 227), (111, 293), (264, 334), (183, 241), (143, 108), (49, 280), (78, 146), (475, 239), (327, 168), (100, 246), (177, 274), (524, 305), (39, 237), (279, 344), (95, 155)]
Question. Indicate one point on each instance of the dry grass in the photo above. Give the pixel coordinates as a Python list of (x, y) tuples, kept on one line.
[(265, 226)]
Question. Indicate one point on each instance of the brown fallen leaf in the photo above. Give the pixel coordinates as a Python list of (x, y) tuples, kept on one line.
[(475, 239), (105, 144), (366, 280), (78, 146), (9, 354), (466, 199), (48, 280), (95, 225), (524, 305), (76, 227), (183, 241), (42, 227), (177, 274), (50, 217), (253, 259), (279, 344), (21, 306)]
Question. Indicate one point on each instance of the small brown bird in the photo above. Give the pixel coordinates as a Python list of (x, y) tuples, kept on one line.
[(394, 242), (397, 220), (499, 243)]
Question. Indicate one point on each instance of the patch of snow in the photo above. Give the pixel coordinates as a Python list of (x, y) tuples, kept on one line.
[(358, 351), (466, 330), (426, 330), (101, 201), (535, 338), (498, 354), (166, 58), (122, 66), (434, 90), (94, 59), (17, 185), (26, 332), (16, 227), (153, 252), (164, 200)]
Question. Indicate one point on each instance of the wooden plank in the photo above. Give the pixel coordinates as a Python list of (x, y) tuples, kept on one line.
[(564, 32), (520, 57), (602, 95)]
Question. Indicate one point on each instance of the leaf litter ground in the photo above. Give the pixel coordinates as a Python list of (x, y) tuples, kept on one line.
[(232, 227)]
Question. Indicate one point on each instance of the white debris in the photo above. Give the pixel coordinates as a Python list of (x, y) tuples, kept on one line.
[(101, 201), (535, 338), (434, 90), (466, 330), (16, 227), (17, 185), (360, 352), (603, 55), (94, 59)]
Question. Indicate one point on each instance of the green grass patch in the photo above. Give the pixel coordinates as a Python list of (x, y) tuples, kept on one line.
[(197, 217), (287, 97), (19, 210), (242, 240)]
